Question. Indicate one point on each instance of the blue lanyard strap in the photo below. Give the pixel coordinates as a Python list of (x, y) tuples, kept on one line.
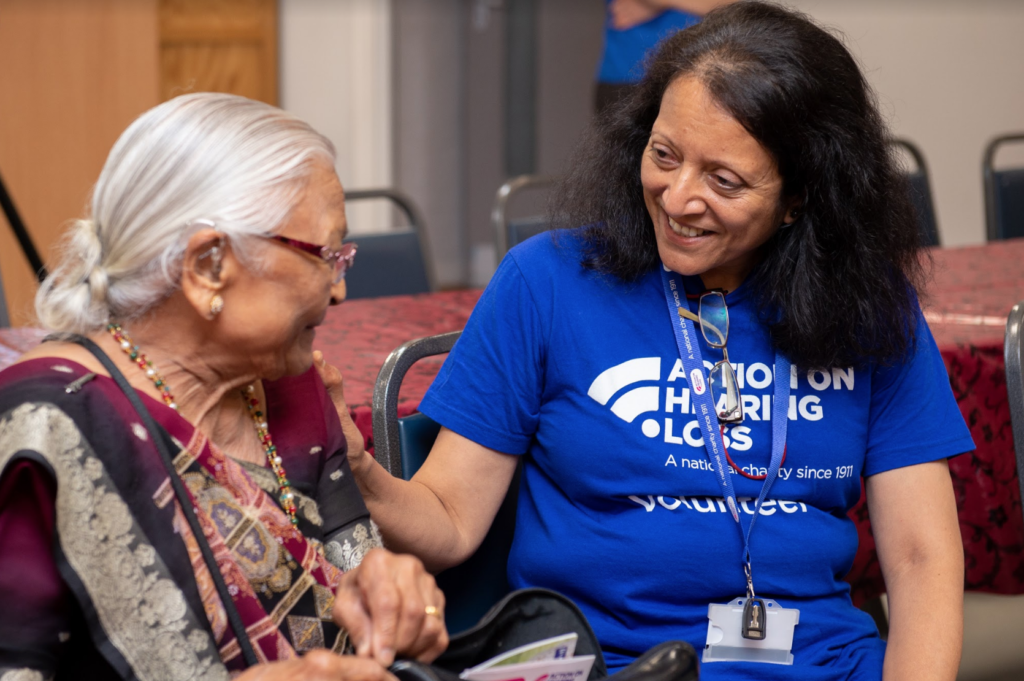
[(687, 342)]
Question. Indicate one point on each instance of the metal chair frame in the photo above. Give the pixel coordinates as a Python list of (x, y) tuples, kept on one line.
[(474, 586), (386, 444), (1015, 384), (914, 151), (412, 214), (499, 214), (988, 171)]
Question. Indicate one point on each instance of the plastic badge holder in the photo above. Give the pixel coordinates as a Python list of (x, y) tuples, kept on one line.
[(725, 641)]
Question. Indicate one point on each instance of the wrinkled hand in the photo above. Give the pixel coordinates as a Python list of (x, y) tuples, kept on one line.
[(629, 13), (319, 665), (383, 605), (335, 383)]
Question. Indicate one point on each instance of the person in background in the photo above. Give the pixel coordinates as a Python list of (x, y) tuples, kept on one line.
[(631, 29), (212, 252)]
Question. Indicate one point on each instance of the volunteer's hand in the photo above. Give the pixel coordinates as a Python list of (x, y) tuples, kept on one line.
[(335, 383), (391, 605), (319, 665)]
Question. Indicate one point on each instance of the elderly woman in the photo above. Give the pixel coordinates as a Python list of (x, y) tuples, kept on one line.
[(749, 254), (213, 251)]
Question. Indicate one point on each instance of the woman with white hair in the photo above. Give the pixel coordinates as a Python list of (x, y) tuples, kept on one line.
[(180, 536)]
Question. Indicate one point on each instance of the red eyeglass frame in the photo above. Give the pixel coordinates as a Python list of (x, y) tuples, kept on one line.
[(341, 260)]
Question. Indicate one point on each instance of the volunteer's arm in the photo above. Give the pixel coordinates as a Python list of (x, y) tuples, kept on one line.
[(914, 521)]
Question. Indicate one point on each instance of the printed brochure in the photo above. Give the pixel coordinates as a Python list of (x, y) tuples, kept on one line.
[(548, 660)]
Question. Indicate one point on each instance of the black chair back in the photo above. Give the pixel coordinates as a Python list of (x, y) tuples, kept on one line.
[(521, 230), (390, 263), (919, 186), (1004, 193)]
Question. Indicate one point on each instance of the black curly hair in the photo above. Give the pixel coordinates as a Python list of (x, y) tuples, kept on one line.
[(838, 288)]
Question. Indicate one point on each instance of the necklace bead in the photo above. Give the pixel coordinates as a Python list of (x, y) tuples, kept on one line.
[(129, 348), (287, 498)]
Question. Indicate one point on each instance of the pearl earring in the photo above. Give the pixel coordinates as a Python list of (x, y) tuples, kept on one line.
[(216, 305)]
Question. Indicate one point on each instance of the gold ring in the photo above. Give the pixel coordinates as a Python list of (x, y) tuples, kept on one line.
[(432, 610)]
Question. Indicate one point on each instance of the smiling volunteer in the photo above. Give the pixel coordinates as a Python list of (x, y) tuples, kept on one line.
[(734, 336)]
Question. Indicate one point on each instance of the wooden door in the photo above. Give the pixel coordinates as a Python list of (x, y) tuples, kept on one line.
[(73, 75), (219, 46)]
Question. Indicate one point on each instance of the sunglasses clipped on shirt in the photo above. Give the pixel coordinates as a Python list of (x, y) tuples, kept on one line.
[(340, 260), (713, 317)]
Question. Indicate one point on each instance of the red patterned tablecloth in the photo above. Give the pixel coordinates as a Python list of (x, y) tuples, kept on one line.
[(966, 307), (971, 294), (358, 335)]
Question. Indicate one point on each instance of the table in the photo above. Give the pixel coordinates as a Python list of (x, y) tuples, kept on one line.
[(966, 305)]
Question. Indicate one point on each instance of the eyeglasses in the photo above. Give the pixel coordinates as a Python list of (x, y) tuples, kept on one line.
[(713, 317), (339, 260)]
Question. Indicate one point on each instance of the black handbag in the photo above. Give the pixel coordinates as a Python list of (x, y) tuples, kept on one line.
[(530, 615)]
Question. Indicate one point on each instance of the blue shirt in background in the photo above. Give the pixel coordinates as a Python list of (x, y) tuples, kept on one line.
[(624, 51)]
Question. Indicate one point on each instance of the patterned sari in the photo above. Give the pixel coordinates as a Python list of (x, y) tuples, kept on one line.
[(100, 575)]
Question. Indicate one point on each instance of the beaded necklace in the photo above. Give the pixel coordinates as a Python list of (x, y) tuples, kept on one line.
[(287, 497)]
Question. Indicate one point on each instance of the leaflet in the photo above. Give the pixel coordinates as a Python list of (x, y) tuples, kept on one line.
[(560, 669), (548, 660), (552, 648)]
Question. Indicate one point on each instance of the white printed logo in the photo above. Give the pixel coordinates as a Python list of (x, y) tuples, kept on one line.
[(718, 505), (633, 388), (636, 401), (697, 381)]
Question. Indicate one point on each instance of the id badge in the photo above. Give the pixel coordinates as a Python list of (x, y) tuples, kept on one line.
[(727, 641)]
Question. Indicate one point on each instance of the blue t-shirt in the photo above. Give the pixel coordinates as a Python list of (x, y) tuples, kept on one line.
[(619, 508), (624, 51)]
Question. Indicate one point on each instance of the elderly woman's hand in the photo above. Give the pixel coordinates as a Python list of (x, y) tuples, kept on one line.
[(335, 383), (391, 605), (319, 665)]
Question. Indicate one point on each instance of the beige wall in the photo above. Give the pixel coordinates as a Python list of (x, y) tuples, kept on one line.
[(431, 123), (336, 73), (73, 74), (949, 73), (950, 76)]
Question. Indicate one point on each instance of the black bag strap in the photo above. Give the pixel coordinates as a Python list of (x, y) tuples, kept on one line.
[(157, 434)]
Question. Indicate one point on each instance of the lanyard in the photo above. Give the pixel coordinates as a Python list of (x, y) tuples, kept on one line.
[(693, 364)]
